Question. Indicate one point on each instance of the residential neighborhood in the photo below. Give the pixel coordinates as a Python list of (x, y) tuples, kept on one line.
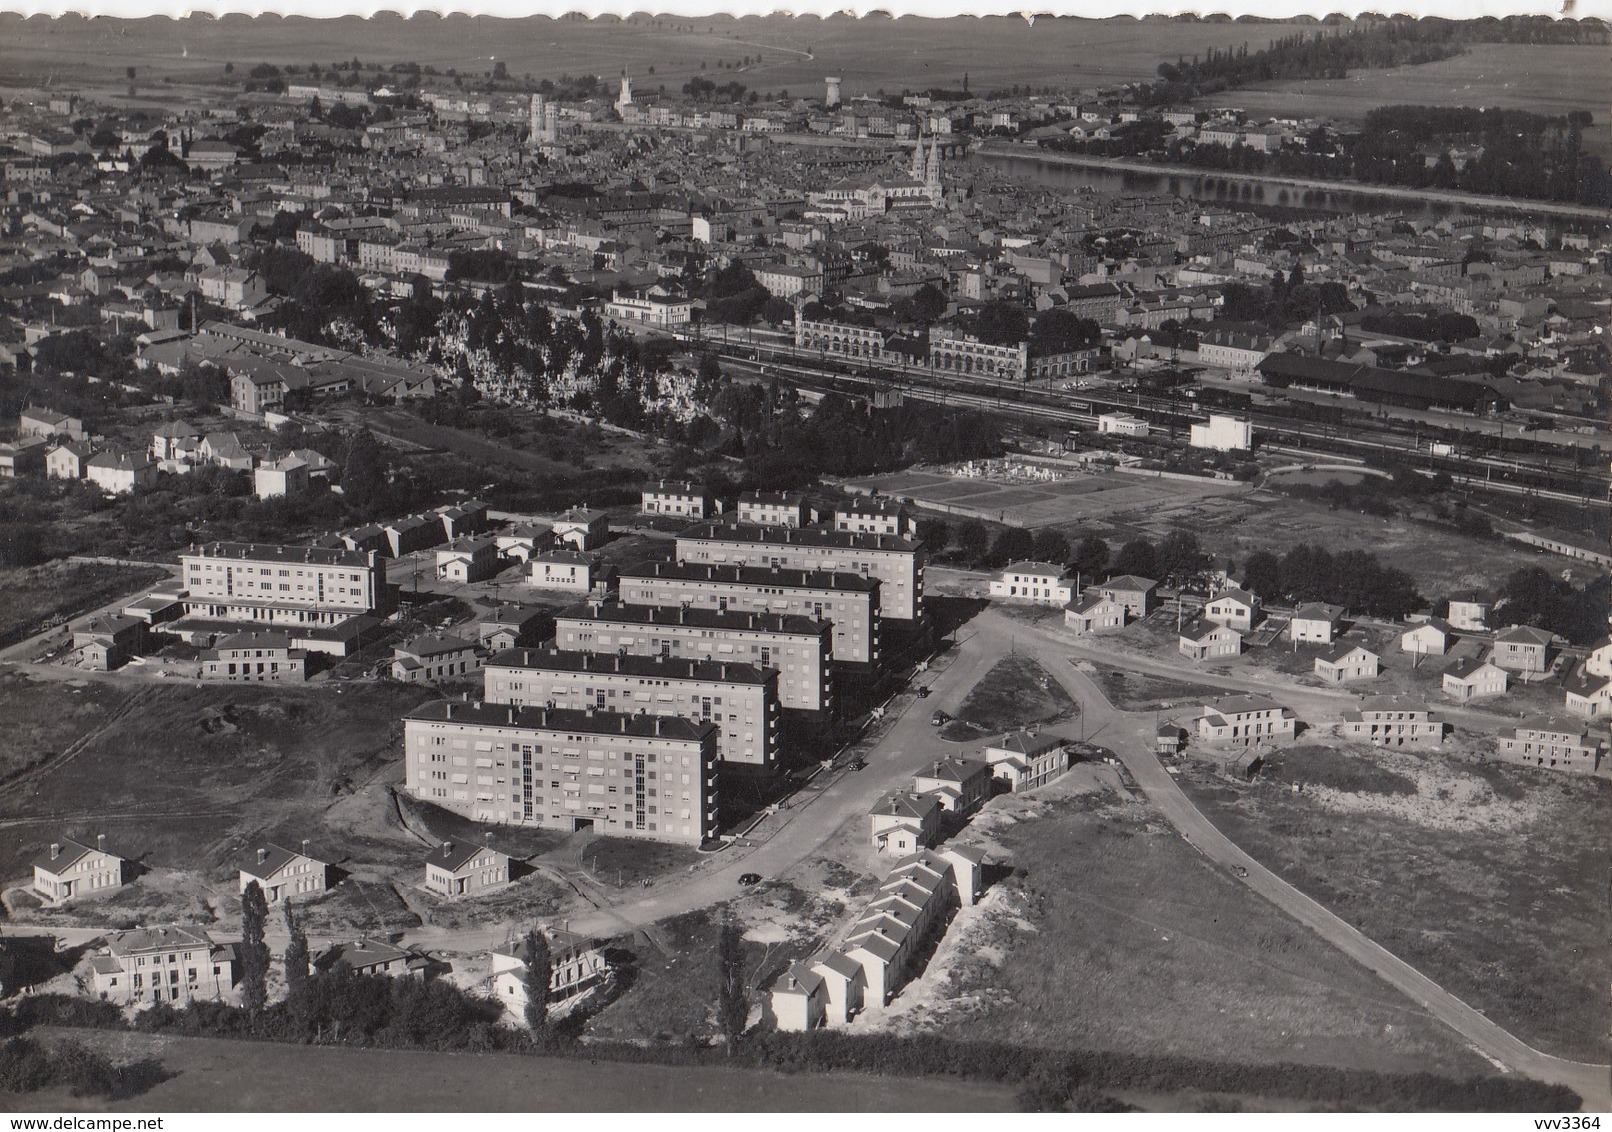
[(680, 563)]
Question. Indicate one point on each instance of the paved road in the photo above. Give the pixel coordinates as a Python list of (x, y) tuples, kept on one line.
[(1130, 736), (908, 741)]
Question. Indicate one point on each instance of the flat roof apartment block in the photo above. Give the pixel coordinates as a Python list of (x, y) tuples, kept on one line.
[(740, 699), (897, 563), (615, 773), (850, 602), (801, 649), (282, 585)]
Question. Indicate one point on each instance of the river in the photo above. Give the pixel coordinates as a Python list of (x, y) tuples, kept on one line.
[(1229, 189)]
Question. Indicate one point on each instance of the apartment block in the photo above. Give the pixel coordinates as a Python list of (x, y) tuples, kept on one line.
[(800, 648), (1390, 722), (849, 601), (618, 774), (1246, 720), (282, 585), (166, 964), (740, 699), (1552, 748), (897, 563)]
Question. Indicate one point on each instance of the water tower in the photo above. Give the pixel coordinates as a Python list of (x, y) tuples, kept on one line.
[(831, 97)]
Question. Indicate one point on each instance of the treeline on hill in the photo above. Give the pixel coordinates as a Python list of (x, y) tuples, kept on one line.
[(1353, 579), (1331, 52), (406, 1014)]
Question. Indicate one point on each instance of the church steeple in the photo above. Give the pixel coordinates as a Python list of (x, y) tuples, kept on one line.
[(920, 166)]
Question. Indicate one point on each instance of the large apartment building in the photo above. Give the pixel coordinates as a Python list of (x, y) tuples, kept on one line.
[(624, 775), (800, 648), (741, 699), (897, 563), (282, 585), (849, 601)]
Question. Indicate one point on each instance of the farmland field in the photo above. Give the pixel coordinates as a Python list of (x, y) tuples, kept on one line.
[(1116, 935), (1486, 877), (1547, 79), (787, 54), (213, 1074)]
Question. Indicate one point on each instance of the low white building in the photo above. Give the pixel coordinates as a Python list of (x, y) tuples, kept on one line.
[(1223, 434), (1040, 583), (653, 306), (1121, 424)]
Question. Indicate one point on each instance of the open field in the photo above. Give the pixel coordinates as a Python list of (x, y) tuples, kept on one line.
[(1081, 498), (1015, 693), (1115, 935), (876, 53), (1546, 79), (63, 589), (214, 1074), (188, 776), (1139, 691), (46, 717), (1486, 877)]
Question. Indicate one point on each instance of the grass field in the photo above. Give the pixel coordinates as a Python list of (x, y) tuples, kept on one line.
[(63, 589), (1547, 79), (1139, 691), (1016, 692), (188, 776), (1486, 877), (1116, 935), (787, 54), (44, 717), (213, 1074)]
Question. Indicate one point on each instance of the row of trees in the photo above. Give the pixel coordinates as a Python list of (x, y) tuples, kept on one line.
[(1177, 559), (1354, 579)]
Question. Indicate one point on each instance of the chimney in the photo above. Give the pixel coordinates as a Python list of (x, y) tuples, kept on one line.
[(262, 855), (657, 725), (55, 850), (304, 846), (100, 842), (447, 710), (447, 848), (624, 725), (512, 713), (895, 804)]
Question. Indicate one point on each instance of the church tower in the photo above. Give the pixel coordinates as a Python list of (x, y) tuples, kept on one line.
[(926, 168), (625, 98)]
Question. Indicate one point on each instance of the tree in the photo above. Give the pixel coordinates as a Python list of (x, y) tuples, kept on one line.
[(733, 1000), (972, 538), (1262, 574), (254, 953), (539, 972), (1013, 544), (296, 955), (1051, 545), (1181, 557), (1090, 558), (363, 471), (935, 534), (1136, 557)]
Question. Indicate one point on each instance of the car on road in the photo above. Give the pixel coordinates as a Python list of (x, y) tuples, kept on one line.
[(1239, 870), (923, 691), (939, 718), (749, 878)]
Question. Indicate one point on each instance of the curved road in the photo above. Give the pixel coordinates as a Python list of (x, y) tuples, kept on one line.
[(1130, 736), (905, 741)]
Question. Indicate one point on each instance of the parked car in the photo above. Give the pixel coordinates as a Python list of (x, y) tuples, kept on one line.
[(923, 691), (939, 718), (749, 878)]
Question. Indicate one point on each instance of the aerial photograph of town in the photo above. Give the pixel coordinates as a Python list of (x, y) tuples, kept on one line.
[(673, 564)]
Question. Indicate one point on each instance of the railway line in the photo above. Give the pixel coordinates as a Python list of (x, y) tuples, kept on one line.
[(1558, 475)]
